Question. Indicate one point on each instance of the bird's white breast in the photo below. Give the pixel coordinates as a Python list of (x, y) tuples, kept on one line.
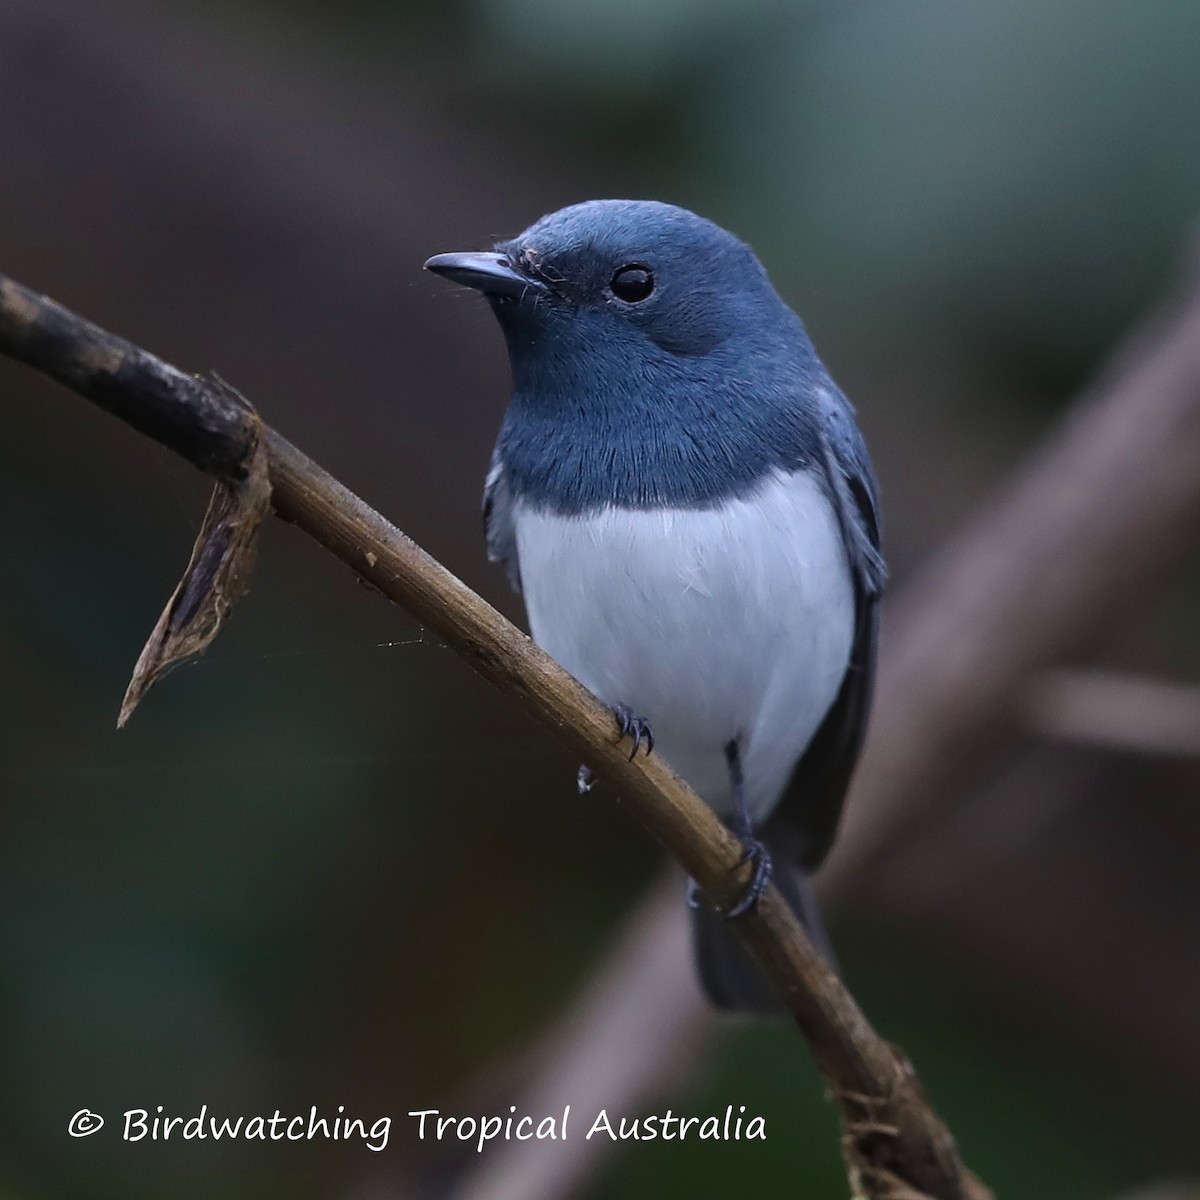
[(714, 624)]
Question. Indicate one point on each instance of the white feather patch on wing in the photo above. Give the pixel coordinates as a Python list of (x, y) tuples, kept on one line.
[(735, 621)]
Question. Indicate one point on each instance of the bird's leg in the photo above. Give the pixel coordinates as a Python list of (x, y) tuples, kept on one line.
[(755, 851), (637, 728)]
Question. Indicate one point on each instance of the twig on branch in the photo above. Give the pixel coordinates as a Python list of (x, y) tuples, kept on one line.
[(217, 574), (894, 1142)]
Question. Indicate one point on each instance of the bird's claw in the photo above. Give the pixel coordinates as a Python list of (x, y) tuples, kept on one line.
[(637, 728), (584, 781), (760, 856), (693, 895)]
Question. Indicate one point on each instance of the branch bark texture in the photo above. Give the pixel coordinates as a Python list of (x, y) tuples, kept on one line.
[(894, 1142)]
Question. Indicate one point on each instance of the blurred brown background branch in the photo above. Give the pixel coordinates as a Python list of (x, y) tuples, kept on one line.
[(1087, 525), (893, 1141), (1116, 710)]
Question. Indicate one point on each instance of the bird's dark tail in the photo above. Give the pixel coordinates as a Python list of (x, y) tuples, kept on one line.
[(730, 976)]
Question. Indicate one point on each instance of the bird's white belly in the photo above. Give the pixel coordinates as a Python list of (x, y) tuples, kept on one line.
[(723, 623)]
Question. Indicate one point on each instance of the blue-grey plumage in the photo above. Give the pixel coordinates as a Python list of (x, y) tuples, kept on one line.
[(683, 497)]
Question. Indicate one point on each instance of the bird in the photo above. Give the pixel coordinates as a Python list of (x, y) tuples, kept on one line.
[(683, 498)]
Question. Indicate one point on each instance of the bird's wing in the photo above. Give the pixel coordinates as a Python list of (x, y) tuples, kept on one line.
[(498, 527), (803, 825)]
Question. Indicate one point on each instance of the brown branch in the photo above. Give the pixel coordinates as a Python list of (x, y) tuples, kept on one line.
[(181, 411), (893, 1138)]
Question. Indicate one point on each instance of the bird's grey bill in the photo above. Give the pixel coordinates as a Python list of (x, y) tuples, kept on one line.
[(490, 273)]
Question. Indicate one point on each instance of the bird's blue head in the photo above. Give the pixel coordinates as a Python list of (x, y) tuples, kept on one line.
[(642, 333), (610, 278)]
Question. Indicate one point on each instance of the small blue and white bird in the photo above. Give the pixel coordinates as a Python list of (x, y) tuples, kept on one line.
[(682, 496)]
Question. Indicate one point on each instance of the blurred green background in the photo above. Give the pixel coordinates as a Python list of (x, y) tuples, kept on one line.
[(327, 865)]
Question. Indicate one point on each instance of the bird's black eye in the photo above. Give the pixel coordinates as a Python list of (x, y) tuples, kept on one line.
[(632, 283)]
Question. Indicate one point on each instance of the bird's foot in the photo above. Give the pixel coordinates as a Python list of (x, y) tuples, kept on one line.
[(637, 728), (754, 852), (693, 895), (584, 781)]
